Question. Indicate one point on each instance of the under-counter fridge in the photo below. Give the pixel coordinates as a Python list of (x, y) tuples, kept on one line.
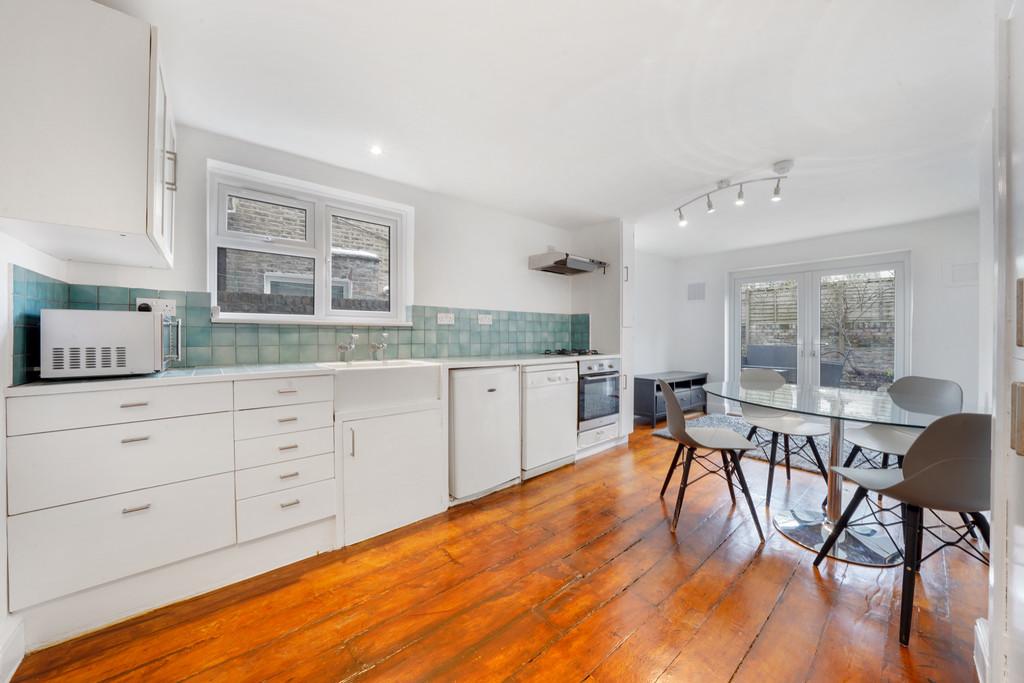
[(484, 433)]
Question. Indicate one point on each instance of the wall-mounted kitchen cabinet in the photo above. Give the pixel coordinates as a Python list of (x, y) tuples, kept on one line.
[(87, 139)]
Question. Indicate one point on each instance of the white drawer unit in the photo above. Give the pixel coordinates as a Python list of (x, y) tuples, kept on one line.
[(57, 468), (33, 414), (61, 550), (284, 475), (274, 512), (593, 437), (251, 424), (268, 450), (266, 393)]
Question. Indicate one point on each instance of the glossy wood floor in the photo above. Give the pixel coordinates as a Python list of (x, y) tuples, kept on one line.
[(572, 576)]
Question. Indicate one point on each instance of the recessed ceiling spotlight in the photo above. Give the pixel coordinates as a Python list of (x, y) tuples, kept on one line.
[(711, 207), (777, 192), (682, 219), (376, 150), (740, 201)]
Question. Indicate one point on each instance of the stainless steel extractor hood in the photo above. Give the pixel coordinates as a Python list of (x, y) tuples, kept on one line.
[(565, 264)]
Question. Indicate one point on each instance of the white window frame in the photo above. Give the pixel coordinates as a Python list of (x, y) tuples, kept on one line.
[(808, 276), (319, 201)]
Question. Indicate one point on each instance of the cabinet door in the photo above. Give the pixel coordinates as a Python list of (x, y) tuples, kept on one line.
[(164, 167), (626, 387), (395, 472), (74, 123), (628, 274)]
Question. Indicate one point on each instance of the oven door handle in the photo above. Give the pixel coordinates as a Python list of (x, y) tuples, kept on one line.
[(599, 376)]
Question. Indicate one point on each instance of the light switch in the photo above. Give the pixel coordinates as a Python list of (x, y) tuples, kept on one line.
[(445, 318), (485, 319), (168, 306)]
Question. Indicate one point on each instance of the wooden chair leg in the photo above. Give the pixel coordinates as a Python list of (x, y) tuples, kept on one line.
[(682, 487), (844, 519), (728, 476), (771, 467), (817, 458), (746, 492), (981, 524), (912, 530), (785, 448), (671, 469)]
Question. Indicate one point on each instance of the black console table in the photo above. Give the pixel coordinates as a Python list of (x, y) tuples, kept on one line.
[(650, 404)]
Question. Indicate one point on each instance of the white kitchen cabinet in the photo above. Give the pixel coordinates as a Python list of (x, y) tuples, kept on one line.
[(86, 134), (394, 471), (628, 275), (626, 383), (484, 430)]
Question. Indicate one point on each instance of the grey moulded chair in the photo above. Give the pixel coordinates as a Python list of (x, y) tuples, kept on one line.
[(780, 423), (947, 468), (727, 442)]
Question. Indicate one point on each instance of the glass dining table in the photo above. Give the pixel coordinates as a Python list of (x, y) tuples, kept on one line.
[(868, 543)]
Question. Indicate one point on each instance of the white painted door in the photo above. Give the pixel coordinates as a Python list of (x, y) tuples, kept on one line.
[(1001, 637), (395, 472)]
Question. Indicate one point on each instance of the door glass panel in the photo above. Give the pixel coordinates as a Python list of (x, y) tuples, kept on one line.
[(858, 329), (769, 326)]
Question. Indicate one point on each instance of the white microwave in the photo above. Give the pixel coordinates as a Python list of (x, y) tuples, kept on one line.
[(79, 343)]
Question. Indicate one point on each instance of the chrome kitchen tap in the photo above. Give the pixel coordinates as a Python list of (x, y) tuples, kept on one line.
[(347, 349), (381, 346)]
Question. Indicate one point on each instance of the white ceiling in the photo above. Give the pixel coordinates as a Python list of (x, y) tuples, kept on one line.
[(574, 111)]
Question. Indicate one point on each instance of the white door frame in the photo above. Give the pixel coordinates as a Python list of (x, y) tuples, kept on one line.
[(808, 276)]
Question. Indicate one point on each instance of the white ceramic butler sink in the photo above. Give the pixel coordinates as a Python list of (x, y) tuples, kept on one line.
[(368, 384)]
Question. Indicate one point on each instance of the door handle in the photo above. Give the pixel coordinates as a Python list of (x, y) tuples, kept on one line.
[(137, 508), (626, 268), (353, 432), (172, 184), (1017, 417)]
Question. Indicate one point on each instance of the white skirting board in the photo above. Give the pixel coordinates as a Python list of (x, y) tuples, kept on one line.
[(981, 649), (72, 615), (12, 646), (601, 447)]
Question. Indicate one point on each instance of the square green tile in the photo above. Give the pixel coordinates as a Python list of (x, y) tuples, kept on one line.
[(289, 354), (247, 355), (83, 294), (325, 336), (269, 335), (289, 335), (308, 354), (197, 336), (224, 355), (307, 335), (113, 295), (199, 355), (327, 352), (269, 354), (196, 317), (246, 335), (197, 299), (223, 335)]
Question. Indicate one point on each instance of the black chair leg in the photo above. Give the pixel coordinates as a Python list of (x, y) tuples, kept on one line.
[(746, 492), (854, 452), (982, 525), (785, 448), (771, 467), (912, 530), (682, 486), (728, 476), (885, 461), (817, 458), (970, 525), (671, 469), (751, 433), (844, 519)]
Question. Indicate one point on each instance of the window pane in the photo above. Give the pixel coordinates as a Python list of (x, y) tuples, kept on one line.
[(266, 219), (258, 282), (360, 265), (858, 329), (768, 326)]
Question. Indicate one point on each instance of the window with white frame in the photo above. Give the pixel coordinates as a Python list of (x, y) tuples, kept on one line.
[(282, 250)]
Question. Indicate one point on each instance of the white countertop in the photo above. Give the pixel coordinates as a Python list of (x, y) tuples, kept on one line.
[(234, 372)]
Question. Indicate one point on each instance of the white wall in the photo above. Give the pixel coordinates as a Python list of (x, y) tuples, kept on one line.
[(466, 255), (598, 293), (12, 645), (656, 288), (944, 334)]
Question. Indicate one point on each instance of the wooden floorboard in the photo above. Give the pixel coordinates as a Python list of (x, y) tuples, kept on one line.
[(572, 576)]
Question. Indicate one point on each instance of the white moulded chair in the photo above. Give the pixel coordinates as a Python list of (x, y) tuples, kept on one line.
[(779, 423)]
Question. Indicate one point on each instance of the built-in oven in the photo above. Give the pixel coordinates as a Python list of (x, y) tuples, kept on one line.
[(598, 394)]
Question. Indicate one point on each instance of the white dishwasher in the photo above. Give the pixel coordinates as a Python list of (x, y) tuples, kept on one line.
[(483, 430), (550, 400)]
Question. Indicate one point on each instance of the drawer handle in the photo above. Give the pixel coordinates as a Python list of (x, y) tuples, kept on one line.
[(287, 419), (290, 475), (287, 391), (289, 447), (135, 439), (136, 404), (291, 503), (138, 508)]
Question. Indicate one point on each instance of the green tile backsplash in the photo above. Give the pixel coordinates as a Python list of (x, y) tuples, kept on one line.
[(206, 343)]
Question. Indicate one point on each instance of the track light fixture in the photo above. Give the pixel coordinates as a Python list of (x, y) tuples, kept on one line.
[(781, 169)]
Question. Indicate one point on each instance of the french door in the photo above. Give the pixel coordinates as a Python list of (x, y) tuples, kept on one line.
[(839, 324)]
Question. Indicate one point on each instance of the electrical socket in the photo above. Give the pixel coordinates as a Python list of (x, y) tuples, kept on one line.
[(445, 318), (168, 306), (485, 319)]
